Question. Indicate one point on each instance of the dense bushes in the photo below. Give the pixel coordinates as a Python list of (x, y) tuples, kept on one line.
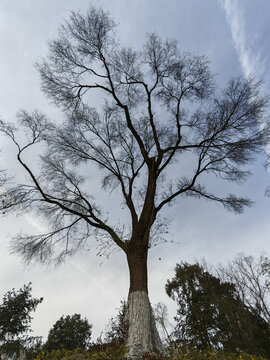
[(189, 353), (96, 352), (117, 352)]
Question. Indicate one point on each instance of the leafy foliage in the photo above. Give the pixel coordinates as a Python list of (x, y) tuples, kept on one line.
[(15, 319), (117, 352), (101, 352), (188, 353), (211, 314), (34, 349), (117, 328), (69, 332), (58, 354)]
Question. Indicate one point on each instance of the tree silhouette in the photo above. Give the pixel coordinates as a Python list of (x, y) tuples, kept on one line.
[(211, 314), (15, 320), (152, 108), (69, 332)]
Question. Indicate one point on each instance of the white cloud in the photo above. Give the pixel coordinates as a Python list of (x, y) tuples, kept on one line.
[(35, 223), (250, 58)]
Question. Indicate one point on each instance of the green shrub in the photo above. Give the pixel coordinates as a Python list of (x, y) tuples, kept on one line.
[(102, 352), (59, 354), (117, 352), (188, 353), (69, 332)]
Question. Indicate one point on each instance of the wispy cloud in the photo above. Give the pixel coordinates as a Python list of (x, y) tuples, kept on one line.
[(35, 223), (249, 57)]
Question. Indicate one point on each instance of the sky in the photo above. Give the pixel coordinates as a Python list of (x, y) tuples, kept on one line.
[(234, 34)]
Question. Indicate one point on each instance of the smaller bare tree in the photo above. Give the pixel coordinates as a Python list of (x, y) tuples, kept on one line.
[(163, 323), (251, 278)]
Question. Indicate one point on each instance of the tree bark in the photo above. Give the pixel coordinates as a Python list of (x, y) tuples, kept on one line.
[(143, 337)]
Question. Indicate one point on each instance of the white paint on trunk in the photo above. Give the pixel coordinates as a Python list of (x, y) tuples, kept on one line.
[(143, 336)]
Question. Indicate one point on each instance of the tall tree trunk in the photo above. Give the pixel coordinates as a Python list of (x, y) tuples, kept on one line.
[(143, 336)]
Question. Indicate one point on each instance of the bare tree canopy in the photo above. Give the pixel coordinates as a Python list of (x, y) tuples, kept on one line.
[(156, 106), (251, 278)]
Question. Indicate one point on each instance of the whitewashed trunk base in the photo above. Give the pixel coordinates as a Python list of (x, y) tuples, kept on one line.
[(143, 336)]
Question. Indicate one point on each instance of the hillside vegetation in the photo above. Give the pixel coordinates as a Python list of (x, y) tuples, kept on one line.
[(117, 352)]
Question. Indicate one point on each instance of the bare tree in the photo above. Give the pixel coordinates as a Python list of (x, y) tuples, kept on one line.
[(134, 136), (251, 278), (161, 317)]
